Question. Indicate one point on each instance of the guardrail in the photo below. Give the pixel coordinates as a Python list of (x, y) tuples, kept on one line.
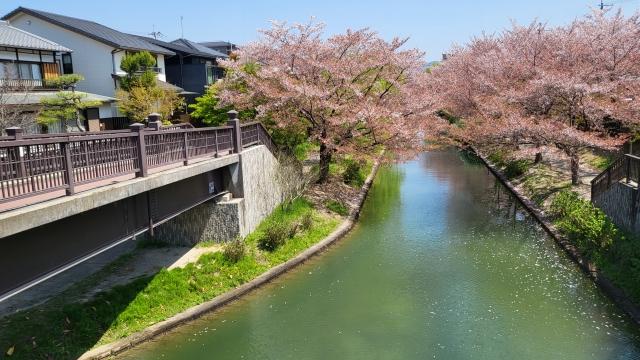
[(626, 168), (35, 164)]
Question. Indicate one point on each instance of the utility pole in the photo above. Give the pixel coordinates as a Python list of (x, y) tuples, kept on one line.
[(181, 27), (155, 33)]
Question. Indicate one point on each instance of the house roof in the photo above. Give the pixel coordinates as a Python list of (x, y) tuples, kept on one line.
[(176, 47), (196, 46), (34, 97), (14, 37), (93, 30), (217, 43)]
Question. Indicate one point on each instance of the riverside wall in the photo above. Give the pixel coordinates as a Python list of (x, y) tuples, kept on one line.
[(587, 266), (620, 203), (255, 194)]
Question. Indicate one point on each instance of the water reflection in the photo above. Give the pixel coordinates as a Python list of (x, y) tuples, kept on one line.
[(443, 264)]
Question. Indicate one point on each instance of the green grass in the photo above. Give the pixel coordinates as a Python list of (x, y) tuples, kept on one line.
[(614, 251), (64, 327), (601, 162), (337, 207), (302, 150)]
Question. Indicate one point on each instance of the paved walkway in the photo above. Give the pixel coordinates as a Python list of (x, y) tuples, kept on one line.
[(145, 262)]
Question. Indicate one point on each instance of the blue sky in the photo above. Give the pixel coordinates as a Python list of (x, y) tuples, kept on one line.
[(432, 25)]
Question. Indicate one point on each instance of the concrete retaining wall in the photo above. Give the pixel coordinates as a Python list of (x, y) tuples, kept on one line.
[(620, 202), (210, 221), (256, 193)]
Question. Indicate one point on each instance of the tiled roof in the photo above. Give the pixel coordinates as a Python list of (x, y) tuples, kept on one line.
[(93, 30), (216, 43), (34, 97), (177, 47), (196, 46), (14, 37)]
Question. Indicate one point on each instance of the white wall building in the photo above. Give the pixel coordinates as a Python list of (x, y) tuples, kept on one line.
[(97, 49)]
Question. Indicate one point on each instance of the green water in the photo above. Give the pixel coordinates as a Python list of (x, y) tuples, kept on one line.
[(443, 264)]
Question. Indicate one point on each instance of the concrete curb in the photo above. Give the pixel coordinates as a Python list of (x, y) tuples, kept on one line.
[(614, 293), (198, 311)]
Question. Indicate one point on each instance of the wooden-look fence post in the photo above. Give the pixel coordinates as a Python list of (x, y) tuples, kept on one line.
[(68, 171), (16, 132), (628, 169), (237, 132), (154, 121), (186, 147), (142, 149)]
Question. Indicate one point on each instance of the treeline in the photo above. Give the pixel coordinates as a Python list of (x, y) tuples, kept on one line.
[(531, 87)]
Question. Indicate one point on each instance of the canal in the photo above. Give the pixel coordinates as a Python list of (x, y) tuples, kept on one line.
[(444, 264)]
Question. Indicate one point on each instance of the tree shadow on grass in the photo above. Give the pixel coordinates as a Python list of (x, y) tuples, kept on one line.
[(82, 316)]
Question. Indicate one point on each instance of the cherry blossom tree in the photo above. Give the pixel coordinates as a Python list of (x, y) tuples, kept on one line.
[(352, 92), (560, 87)]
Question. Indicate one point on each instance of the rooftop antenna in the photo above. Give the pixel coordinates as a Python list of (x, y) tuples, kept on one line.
[(181, 26), (155, 33), (602, 5)]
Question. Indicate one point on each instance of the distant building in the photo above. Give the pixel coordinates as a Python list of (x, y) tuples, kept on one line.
[(224, 47), (27, 61), (193, 68), (97, 49)]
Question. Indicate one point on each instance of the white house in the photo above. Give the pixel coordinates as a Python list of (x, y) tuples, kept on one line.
[(97, 49), (27, 61)]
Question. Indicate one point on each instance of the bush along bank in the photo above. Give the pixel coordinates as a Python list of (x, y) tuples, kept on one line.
[(609, 255), (125, 316)]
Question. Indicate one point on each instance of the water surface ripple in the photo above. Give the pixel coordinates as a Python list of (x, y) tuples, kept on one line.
[(443, 264)]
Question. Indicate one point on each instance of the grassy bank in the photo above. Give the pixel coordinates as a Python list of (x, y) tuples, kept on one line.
[(64, 327), (615, 252)]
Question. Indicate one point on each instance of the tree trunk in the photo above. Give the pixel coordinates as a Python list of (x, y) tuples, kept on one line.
[(575, 163), (575, 169), (325, 159), (79, 122), (538, 158)]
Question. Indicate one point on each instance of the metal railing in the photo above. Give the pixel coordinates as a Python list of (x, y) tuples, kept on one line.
[(33, 84), (256, 134), (626, 168), (35, 164)]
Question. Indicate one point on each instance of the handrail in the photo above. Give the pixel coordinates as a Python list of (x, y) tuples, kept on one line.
[(626, 167), (36, 164)]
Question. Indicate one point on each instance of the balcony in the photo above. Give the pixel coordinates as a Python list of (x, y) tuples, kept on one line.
[(27, 85), (156, 70)]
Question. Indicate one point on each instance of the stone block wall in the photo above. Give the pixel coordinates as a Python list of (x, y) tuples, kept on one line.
[(620, 202), (256, 193), (210, 221)]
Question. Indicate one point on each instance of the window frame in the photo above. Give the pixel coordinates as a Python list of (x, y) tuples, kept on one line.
[(66, 66)]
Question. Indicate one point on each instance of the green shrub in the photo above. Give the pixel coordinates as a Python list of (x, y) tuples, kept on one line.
[(274, 235), (307, 221), (235, 250), (583, 222), (516, 168), (351, 171), (601, 162), (498, 158), (337, 207)]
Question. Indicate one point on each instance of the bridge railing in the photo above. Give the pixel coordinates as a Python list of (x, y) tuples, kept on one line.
[(626, 168), (31, 165), (255, 133)]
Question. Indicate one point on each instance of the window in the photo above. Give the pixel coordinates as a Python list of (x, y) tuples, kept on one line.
[(209, 75), (30, 71), (8, 70), (67, 65)]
